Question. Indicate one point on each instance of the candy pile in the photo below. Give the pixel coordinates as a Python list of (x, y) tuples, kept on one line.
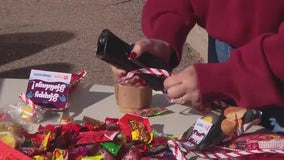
[(130, 137)]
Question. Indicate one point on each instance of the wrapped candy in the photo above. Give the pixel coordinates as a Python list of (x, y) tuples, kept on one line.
[(254, 141), (11, 133), (8, 138), (76, 78), (7, 153), (214, 128), (129, 137), (60, 154), (111, 147), (26, 111), (96, 136), (66, 120), (96, 124), (136, 128), (259, 146), (149, 112)]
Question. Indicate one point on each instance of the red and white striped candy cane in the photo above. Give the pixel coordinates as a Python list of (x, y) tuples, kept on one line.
[(180, 152), (233, 154), (152, 71), (24, 98), (176, 149)]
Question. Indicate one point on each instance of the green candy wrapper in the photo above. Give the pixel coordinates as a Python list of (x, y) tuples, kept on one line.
[(111, 147)]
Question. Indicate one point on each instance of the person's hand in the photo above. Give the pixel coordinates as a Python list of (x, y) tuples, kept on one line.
[(117, 73), (182, 87), (156, 47)]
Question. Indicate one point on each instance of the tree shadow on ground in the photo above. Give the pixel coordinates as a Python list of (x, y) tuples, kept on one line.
[(25, 72), (16, 46)]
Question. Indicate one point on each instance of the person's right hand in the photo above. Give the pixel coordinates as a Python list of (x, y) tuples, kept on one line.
[(182, 87), (156, 47)]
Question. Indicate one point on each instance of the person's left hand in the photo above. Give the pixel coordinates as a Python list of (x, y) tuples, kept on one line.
[(182, 87)]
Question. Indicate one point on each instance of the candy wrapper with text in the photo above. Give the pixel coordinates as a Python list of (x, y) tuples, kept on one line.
[(51, 90), (216, 127)]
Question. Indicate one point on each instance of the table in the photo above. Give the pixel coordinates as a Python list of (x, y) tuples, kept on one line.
[(98, 102)]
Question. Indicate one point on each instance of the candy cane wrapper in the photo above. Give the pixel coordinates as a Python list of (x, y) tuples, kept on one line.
[(247, 145), (131, 76), (76, 78), (176, 149), (180, 152), (28, 101)]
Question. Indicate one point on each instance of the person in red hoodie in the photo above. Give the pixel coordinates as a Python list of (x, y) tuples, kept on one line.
[(246, 50)]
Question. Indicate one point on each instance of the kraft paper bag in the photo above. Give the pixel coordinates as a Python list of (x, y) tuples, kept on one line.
[(132, 98)]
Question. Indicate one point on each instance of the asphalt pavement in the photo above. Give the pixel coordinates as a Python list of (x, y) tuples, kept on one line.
[(61, 35)]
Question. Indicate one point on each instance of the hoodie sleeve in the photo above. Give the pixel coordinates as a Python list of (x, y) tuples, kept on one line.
[(253, 75), (169, 21)]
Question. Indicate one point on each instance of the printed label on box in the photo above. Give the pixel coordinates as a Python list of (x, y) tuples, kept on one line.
[(49, 89), (199, 132)]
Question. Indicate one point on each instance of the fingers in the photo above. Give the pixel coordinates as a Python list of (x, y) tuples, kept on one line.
[(174, 86), (171, 81), (182, 87), (190, 100), (177, 90), (156, 47), (117, 73), (141, 47), (179, 100)]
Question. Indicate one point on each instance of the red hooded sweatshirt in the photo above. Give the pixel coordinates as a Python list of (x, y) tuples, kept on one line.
[(254, 74)]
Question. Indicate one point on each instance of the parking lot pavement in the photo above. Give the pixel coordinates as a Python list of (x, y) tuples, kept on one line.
[(62, 35)]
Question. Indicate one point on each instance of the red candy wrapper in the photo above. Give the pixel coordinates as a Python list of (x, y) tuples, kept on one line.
[(129, 137), (256, 141), (8, 152), (136, 128), (96, 136), (112, 124), (75, 79)]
